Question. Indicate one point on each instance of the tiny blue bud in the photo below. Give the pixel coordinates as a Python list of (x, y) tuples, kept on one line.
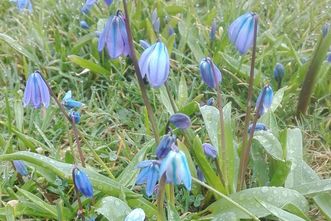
[(209, 150), (136, 215), (180, 120), (20, 167), (84, 25), (279, 73), (165, 146), (75, 115), (200, 175), (213, 28), (329, 57), (325, 29), (210, 74), (155, 21), (36, 91), (258, 127), (241, 32), (82, 183), (154, 62), (171, 30), (211, 101), (267, 100)]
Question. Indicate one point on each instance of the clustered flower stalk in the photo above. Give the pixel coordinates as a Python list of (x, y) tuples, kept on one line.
[(139, 76), (245, 153)]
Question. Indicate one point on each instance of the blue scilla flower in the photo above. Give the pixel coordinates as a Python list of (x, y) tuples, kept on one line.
[(200, 174), (209, 150), (154, 62), (136, 215), (210, 74), (176, 169), (149, 174), (211, 101), (82, 183), (241, 32), (20, 167), (84, 25), (279, 72), (180, 120), (165, 146), (267, 100), (87, 6), (23, 4), (258, 127), (70, 103), (114, 37), (75, 116), (36, 91)]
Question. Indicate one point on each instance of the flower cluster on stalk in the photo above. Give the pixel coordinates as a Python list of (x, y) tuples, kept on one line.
[(70, 104)]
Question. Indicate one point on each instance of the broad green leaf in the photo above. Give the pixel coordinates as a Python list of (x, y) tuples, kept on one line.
[(270, 143), (190, 108), (113, 208), (128, 175), (96, 68), (82, 41), (323, 202), (226, 217), (279, 213), (269, 119), (10, 213), (279, 172), (172, 213), (165, 100), (295, 210), (211, 118), (276, 196), (19, 48), (277, 98), (182, 91), (259, 165), (312, 188), (99, 182)]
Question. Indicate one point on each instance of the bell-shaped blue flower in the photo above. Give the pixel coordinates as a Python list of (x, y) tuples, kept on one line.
[(87, 6), (279, 72), (241, 32), (154, 62), (20, 167), (209, 150), (149, 174), (180, 120), (176, 168), (267, 100), (82, 183), (165, 146), (70, 103), (114, 37), (36, 91), (258, 127), (210, 74), (136, 215), (23, 4)]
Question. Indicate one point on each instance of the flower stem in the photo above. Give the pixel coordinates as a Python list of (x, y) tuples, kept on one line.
[(71, 121), (246, 150), (138, 74), (244, 157), (160, 199), (226, 198)]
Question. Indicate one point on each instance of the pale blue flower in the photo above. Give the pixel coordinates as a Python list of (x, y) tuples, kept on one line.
[(267, 100), (209, 150), (180, 120), (149, 174), (210, 74)]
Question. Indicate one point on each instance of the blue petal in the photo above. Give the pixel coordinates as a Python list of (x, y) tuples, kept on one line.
[(124, 35), (142, 176), (28, 91), (245, 36), (166, 163), (104, 35), (145, 163), (144, 60), (151, 181), (236, 26), (83, 183), (36, 97), (114, 42), (43, 90), (186, 174)]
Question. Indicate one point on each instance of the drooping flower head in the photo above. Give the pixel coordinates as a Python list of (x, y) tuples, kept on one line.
[(180, 120), (165, 145), (84, 25), (241, 32), (20, 167), (36, 91), (155, 64), (70, 103), (279, 73), (176, 169), (149, 174), (258, 127), (23, 4), (82, 183), (210, 74), (136, 215), (87, 6), (209, 150), (267, 100), (114, 37)]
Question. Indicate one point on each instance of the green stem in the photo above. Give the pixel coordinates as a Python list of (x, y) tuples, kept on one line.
[(248, 110), (139, 76), (226, 198), (160, 199)]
